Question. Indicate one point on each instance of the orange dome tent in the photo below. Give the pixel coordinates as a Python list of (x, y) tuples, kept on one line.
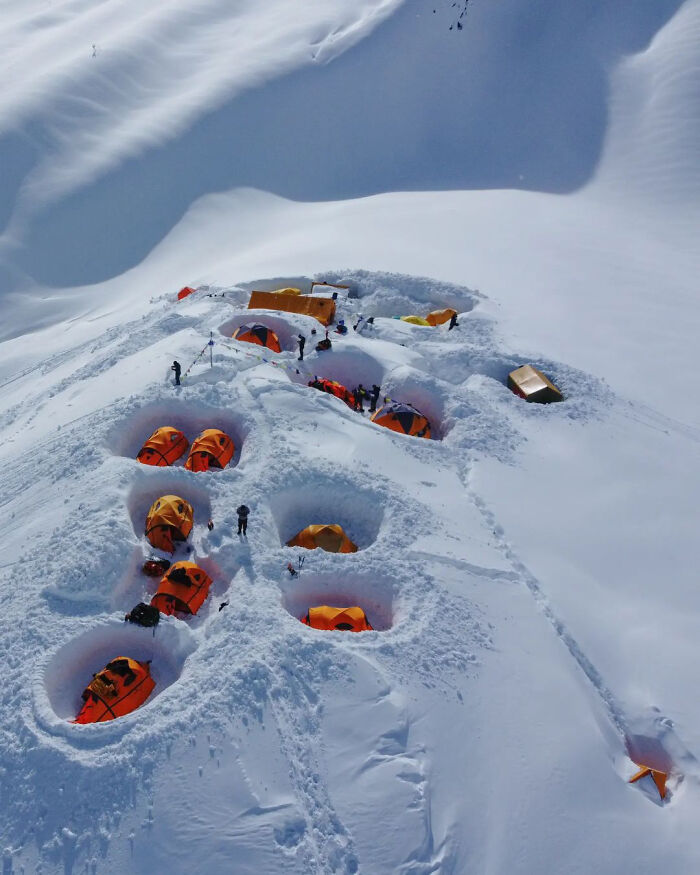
[(345, 619), (330, 537), (252, 332), (163, 447), (183, 589), (437, 317), (334, 388), (169, 519), (121, 687), (402, 418), (212, 449)]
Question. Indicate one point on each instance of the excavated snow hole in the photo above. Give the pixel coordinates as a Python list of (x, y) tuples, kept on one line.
[(127, 438), (349, 367), (374, 594), (286, 333), (70, 669), (422, 392), (155, 482), (337, 500), (135, 586)]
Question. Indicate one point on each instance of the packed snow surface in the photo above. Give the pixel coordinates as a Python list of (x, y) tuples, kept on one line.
[(529, 572)]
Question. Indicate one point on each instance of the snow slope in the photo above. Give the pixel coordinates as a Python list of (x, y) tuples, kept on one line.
[(530, 573)]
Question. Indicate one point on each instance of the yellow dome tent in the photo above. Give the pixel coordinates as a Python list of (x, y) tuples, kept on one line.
[(330, 537), (345, 619), (170, 519), (438, 317)]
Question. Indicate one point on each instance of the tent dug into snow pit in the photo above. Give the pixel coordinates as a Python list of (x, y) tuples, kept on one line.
[(329, 537), (438, 317), (163, 447), (212, 449), (253, 332), (415, 320), (334, 388), (121, 687), (170, 519), (532, 385), (322, 309), (184, 292), (183, 589), (402, 418), (344, 619)]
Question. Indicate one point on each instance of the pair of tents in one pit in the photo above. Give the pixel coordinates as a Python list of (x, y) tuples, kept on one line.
[(212, 449)]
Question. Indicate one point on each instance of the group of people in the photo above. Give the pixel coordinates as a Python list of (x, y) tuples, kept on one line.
[(359, 392)]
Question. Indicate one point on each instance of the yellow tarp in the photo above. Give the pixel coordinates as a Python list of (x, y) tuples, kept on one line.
[(415, 320)]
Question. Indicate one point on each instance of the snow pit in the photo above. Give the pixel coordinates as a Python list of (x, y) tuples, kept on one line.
[(286, 333), (328, 500), (421, 391), (374, 594), (191, 418), (69, 670), (154, 482), (349, 367)]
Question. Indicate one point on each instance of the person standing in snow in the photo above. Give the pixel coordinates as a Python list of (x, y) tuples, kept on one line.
[(242, 512), (176, 367), (453, 322), (374, 397), (359, 394), (302, 344)]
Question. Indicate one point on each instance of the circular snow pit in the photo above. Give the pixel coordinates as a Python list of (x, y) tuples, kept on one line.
[(374, 594), (349, 367), (286, 333), (70, 669), (156, 482), (190, 418), (328, 500)]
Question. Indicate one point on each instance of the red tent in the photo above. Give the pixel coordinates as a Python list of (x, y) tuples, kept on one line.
[(183, 293)]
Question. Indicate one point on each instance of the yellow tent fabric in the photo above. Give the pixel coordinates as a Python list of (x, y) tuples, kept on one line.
[(437, 317), (322, 309), (327, 617), (659, 778), (288, 291), (415, 320), (330, 537), (170, 519)]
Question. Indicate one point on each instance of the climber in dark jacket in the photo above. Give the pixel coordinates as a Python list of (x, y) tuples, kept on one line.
[(453, 322), (302, 344), (177, 368), (242, 512), (360, 392), (374, 397)]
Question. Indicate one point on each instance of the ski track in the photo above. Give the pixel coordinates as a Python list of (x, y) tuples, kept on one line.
[(85, 584)]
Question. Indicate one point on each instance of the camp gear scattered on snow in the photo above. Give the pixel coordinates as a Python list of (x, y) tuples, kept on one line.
[(183, 589), (253, 332), (163, 447), (659, 778), (344, 619), (120, 688), (322, 309), (532, 385), (143, 615), (403, 418), (291, 569), (415, 320), (155, 567), (170, 519), (437, 317), (323, 345), (212, 449), (330, 537), (333, 388)]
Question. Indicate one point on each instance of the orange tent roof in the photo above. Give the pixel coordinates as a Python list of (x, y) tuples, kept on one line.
[(659, 778), (334, 388), (183, 293), (253, 332), (163, 447), (329, 537), (402, 418), (121, 687), (345, 619), (170, 519), (184, 589), (437, 317), (212, 449), (322, 309)]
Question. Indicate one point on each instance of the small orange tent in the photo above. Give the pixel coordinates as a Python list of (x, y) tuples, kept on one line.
[(163, 447), (330, 537), (183, 293), (334, 388), (659, 778), (402, 418), (212, 449), (253, 332), (345, 619), (532, 385), (170, 519), (183, 589), (437, 317), (121, 687), (322, 309)]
